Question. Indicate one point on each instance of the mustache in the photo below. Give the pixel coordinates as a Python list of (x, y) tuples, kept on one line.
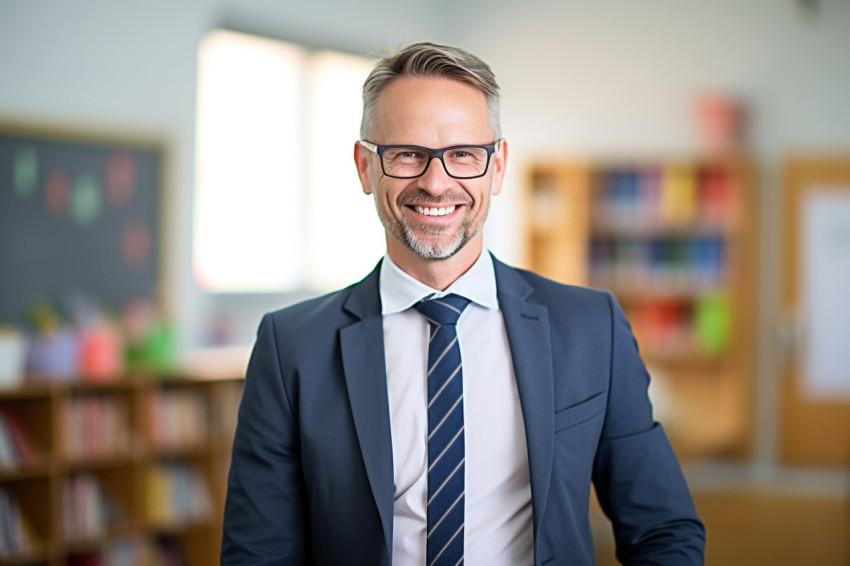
[(420, 196)]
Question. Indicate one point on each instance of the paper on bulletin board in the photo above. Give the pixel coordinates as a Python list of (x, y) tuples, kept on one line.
[(825, 281)]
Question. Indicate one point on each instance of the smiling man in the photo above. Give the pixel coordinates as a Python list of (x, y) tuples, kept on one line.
[(448, 409), (431, 213)]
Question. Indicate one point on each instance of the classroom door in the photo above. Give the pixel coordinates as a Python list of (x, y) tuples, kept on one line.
[(815, 393)]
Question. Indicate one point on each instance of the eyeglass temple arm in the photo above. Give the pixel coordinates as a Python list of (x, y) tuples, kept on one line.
[(369, 145)]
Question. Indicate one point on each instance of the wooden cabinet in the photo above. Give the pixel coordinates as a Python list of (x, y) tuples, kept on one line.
[(127, 472), (674, 241)]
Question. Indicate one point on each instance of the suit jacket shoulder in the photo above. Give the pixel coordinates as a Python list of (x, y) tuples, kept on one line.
[(568, 308), (313, 318)]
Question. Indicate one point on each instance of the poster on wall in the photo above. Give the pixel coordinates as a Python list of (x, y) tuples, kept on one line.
[(826, 292), (79, 217)]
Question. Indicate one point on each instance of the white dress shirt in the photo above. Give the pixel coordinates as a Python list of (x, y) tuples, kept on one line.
[(498, 529)]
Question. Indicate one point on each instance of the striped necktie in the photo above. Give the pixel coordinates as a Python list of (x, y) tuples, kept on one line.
[(446, 451)]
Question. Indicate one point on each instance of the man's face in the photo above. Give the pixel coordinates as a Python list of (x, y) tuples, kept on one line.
[(433, 216)]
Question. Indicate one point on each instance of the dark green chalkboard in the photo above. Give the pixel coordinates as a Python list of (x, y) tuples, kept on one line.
[(79, 216)]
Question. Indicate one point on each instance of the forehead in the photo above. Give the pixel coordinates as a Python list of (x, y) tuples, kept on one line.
[(432, 110)]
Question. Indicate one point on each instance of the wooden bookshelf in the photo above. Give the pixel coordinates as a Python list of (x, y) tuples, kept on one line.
[(127, 472), (674, 241)]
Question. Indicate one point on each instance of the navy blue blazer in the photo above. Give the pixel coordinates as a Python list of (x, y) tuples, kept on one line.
[(311, 477)]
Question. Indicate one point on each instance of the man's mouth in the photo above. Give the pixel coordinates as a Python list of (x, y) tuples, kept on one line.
[(435, 211)]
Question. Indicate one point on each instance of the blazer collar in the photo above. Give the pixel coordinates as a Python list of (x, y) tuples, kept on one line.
[(364, 298)]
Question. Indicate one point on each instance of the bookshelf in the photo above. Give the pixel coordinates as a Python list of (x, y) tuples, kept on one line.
[(673, 240), (125, 472)]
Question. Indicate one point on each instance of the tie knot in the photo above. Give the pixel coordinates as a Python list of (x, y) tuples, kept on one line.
[(443, 310)]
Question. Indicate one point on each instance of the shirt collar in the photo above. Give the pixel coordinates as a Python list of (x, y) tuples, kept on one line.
[(400, 291)]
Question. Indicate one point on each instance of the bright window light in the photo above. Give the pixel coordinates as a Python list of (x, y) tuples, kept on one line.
[(277, 204), (343, 230)]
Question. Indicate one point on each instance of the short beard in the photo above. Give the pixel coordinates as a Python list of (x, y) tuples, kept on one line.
[(435, 250), (426, 250)]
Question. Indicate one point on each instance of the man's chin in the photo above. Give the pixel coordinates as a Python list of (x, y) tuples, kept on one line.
[(435, 249)]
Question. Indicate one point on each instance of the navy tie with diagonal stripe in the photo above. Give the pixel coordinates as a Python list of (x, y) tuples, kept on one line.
[(446, 451)]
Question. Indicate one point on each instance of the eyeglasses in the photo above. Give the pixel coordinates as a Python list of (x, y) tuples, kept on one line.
[(411, 161)]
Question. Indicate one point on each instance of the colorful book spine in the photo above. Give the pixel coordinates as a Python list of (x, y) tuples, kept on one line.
[(177, 493), (177, 419), (17, 449), (678, 195), (8, 454), (94, 427), (16, 532), (87, 511)]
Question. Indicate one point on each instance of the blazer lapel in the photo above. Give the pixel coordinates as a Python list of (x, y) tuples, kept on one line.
[(362, 346), (527, 327)]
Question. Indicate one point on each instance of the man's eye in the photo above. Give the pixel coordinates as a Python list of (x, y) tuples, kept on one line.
[(465, 155), (403, 156)]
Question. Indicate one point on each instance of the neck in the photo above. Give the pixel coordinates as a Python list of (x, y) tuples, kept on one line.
[(436, 273)]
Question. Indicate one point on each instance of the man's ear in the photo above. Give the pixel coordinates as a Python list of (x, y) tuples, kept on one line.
[(363, 162), (499, 162)]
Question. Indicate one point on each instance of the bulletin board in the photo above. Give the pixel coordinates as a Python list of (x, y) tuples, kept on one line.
[(815, 417), (79, 217)]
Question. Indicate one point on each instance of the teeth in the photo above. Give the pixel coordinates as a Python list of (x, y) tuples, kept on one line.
[(435, 211)]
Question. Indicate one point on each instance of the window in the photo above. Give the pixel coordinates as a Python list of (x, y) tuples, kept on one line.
[(278, 206)]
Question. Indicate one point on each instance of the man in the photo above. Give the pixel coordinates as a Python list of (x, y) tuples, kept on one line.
[(374, 432)]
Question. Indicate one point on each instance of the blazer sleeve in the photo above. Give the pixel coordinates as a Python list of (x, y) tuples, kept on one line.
[(637, 477), (264, 515)]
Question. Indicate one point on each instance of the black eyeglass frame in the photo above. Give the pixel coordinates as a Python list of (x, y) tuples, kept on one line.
[(432, 153)]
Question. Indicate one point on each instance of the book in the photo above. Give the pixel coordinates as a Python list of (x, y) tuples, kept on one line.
[(16, 532), (8, 458), (27, 453)]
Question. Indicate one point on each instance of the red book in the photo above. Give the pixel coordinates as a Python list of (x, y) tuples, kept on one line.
[(27, 453)]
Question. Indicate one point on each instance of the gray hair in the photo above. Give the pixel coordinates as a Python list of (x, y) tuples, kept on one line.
[(425, 59)]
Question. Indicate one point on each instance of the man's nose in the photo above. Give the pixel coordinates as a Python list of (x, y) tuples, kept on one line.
[(435, 179)]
